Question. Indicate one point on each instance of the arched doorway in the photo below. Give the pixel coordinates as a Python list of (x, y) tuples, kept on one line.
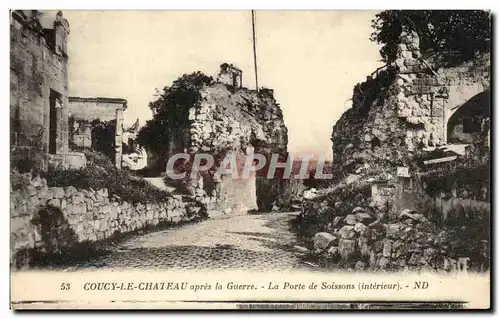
[(467, 123)]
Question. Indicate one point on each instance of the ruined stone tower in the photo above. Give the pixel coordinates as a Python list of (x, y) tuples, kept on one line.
[(230, 75)]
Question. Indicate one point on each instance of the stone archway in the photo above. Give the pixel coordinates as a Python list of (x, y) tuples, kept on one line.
[(457, 96), (466, 123)]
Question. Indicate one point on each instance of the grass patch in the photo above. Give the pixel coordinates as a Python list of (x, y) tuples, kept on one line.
[(100, 173)]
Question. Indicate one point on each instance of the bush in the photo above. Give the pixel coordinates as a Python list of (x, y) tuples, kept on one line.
[(19, 180), (462, 32), (118, 183), (98, 159)]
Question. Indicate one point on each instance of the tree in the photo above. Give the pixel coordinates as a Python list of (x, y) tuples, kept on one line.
[(458, 34), (170, 112)]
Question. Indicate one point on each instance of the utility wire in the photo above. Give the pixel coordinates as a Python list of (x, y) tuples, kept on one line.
[(254, 52)]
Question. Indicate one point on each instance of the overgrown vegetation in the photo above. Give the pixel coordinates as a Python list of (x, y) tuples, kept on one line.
[(456, 34), (118, 182), (99, 173), (470, 180), (170, 112), (98, 159)]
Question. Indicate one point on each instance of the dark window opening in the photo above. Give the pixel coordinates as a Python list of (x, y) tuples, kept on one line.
[(14, 109), (472, 125), (235, 80), (375, 142), (416, 126), (55, 104)]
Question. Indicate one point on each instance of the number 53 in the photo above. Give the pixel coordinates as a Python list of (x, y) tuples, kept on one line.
[(65, 286)]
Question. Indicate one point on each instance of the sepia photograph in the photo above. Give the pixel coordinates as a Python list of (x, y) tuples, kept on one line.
[(250, 159)]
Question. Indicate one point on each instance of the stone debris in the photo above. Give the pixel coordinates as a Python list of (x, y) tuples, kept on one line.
[(323, 241), (350, 219), (301, 249), (384, 244), (347, 232), (347, 248)]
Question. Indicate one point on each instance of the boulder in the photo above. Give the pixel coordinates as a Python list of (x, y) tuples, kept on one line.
[(362, 230), (383, 263), (77, 198), (17, 224), (358, 210), (102, 192), (347, 232), (301, 249), (37, 181), (323, 241), (347, 248), (310, 194), (415, 258), (359, 197), (429, 254), (55, 202), (408, 221), (407, 232), (364, 218), (376, 224), (387, 249), (364, 246), (398, 249), (360, 266), (412, 215), (350, 219), (332, 252), (40, 193), (58, 192), (32, 191), (394, 231), (373, 259), (379, 203), (336, 221), (337, 205)]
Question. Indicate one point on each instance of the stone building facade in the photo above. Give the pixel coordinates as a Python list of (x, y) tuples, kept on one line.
[(39, 90), (97, 123)]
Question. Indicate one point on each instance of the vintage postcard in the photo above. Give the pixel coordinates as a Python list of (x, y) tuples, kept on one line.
[(250, 159)]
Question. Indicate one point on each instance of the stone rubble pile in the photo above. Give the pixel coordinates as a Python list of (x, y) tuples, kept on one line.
[(364, 239)]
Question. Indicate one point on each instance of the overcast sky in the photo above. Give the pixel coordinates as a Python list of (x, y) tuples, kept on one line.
[(312, 59)]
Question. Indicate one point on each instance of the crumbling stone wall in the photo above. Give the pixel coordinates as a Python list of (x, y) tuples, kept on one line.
[(98, 110), (405, 106), (49, 219), (230, 75), (39, 79), (240, 122)]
